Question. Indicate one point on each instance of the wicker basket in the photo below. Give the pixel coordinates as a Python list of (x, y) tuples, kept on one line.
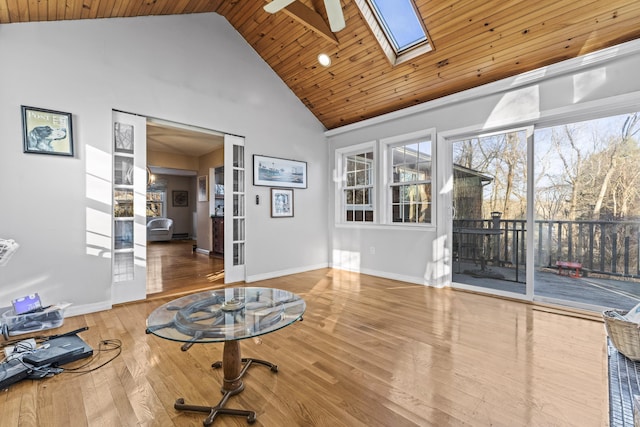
[(624, 335)]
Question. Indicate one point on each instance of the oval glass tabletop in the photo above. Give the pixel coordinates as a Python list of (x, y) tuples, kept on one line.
[(225, 315)]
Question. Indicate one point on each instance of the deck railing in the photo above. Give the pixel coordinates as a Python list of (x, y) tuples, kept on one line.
[(603, 247)]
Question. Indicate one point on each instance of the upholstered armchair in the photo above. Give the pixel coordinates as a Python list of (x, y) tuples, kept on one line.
[(159, 229)]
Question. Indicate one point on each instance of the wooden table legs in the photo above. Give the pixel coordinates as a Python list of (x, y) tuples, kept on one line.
[(234, 368)]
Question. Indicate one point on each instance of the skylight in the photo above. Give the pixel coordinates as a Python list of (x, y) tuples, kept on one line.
[(397, 27), (401, 23)]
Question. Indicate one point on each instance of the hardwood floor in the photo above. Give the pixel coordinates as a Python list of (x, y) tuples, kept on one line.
[(370, 352), (174, 268)]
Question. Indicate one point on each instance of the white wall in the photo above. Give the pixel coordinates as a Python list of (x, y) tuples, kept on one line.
[(182, 216), (191, 69), (602, 83)]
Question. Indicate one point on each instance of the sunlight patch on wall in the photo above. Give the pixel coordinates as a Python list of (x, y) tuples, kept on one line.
[(98, 233), (587, 82), (26, 286), (140, 201), (98, 167), (438, 269), (140, 244), (346, 260), (98, 245), (600, 56), (530, 76), (515, 106), (140, 211), (98, 188), (448, 186)]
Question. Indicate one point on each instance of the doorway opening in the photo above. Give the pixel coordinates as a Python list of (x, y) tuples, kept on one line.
[(182, 185)]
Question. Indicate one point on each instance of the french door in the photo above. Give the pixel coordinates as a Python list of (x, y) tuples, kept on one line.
[(128, 224), (235, 213)]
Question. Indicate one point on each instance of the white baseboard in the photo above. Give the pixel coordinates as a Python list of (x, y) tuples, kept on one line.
[(78, 310), (274, 274), (387, 275)]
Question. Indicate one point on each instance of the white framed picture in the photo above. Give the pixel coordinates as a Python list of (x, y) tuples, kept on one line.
[(203, 188), (281, 202), (276, 172)]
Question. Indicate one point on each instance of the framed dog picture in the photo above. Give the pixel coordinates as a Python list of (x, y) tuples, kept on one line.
[(47, 131)]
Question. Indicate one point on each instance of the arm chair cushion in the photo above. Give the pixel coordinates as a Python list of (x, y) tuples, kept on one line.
[(159, 229)]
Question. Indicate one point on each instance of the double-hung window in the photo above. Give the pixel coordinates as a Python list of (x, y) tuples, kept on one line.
[(357, 177), (409, 178), (403, 195)]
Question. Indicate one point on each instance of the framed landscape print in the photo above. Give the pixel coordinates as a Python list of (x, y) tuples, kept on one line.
[(47, 131), (276, 172)]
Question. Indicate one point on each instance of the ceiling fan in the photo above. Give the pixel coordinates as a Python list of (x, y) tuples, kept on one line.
[(334, 11)]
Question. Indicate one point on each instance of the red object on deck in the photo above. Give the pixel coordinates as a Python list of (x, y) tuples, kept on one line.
[(570, 267)]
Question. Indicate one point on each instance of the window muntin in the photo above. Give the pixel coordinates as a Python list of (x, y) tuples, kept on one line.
[(404, 195), (358, 187), (410, 184), (400, 22)]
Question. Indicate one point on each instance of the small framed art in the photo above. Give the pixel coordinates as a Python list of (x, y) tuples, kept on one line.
[(281, 202), (180, 198), (47, 131)]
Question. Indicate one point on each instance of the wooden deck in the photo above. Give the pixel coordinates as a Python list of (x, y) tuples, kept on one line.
[(601, 291)]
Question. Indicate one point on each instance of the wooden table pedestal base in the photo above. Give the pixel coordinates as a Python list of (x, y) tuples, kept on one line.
[(234, 368)]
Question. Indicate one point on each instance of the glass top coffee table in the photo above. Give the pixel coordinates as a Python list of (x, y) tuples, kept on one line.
[(226, 315)]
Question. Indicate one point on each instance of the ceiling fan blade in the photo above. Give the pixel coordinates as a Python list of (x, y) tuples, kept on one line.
[(277, 5), (334, 12)]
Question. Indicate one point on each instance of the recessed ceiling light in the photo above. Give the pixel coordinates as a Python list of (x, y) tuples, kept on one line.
[(324, 59)]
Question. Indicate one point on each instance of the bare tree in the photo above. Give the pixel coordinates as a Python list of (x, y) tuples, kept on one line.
[(513, 157), (572, 159), (503, 157)]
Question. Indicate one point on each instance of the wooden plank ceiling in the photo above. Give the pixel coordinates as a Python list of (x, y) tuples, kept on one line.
[(475, 42)]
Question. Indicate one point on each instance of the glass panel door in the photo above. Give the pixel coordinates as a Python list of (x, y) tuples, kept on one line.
[(587, 213), (129, 185), (234, 218), (490, 212)]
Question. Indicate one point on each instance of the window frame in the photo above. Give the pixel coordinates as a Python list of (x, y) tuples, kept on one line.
[(340, 178), (378, 29), (385, 22), (387, 147)]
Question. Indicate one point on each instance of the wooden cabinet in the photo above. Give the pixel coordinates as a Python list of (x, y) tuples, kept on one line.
[(218, 235)]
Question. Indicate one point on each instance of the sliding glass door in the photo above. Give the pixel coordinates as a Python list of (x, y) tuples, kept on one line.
[(489, 211), (551, 214), (587, 212)]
